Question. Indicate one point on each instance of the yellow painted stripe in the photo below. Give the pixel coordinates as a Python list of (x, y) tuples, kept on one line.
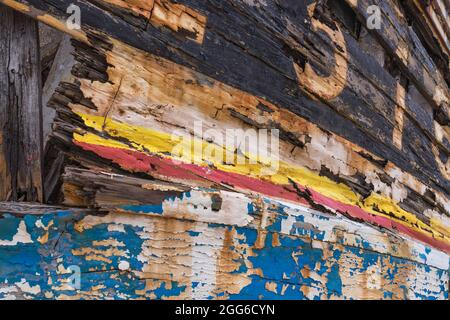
[(148, 140)]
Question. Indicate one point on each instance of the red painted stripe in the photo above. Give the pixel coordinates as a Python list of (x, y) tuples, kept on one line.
[(358, 213), (136, 161)]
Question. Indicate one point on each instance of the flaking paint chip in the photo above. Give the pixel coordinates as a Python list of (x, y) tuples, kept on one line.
[(124, 265)]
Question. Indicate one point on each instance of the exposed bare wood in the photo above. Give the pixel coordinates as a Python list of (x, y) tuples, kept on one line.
[(60, 71), (21, 208), (335, 185)]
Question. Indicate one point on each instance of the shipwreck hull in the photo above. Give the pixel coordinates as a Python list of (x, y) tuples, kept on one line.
[(124, 255), (355, 205)]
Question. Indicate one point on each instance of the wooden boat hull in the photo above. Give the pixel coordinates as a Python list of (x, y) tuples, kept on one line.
[(159, 255), (353, 206)]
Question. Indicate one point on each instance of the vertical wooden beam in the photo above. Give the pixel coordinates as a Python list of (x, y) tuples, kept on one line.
[(20, 108)]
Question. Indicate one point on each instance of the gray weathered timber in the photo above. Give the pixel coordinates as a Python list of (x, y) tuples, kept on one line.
[(20, 108), (60, 71), (49, 40)]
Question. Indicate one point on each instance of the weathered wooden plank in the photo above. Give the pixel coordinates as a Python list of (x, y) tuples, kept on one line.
[(397, 39), (234, 66), (431, 24), (174, 201), (356, 191), (20, 108), (438, 13), (84, 188), (130, 256), (21, 209), (49, 39), (112, 108)]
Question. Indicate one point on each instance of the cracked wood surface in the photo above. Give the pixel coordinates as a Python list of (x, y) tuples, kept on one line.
[(401, 41), (358, 207), (272, 54), (140, 138), (154, 253), (20, 108)]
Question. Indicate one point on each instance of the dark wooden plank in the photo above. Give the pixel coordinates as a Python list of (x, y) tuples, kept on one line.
[(20, 108), (245, 45), (20, 208), (49, 39)]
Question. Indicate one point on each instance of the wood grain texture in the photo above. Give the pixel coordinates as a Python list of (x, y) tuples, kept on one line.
[(111, 108), (402, 42), (274, 54), (358, 206), (20, 108), (59, 71)]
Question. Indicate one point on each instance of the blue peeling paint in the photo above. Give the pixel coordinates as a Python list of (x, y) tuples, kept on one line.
[(149, 208), (334, 283), (8, 227), (287, 261)]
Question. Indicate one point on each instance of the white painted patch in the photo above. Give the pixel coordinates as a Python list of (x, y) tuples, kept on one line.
[(25, 287), (8, 289), (233, 209), (124, 265), (22, 236), (399, 193), (204, 264), (116, 228), (355, 233)]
